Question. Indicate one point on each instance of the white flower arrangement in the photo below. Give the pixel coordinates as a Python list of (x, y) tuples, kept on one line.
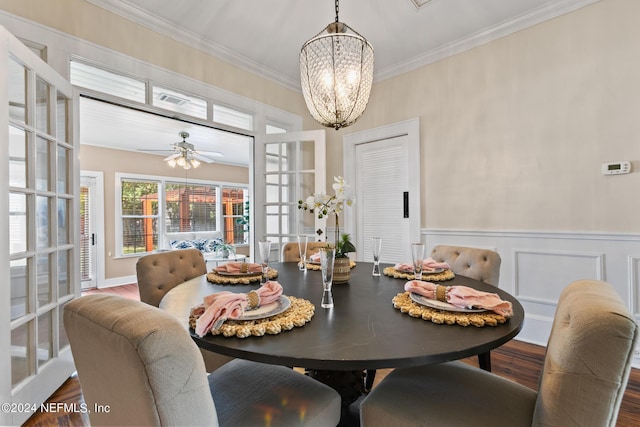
[(323, 205)]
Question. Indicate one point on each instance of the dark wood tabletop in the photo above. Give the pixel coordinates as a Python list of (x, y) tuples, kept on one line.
[(362, 331)]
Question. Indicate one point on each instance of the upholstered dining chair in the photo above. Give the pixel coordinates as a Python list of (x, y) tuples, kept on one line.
[(141, 364), (290, 252), (158, 273), (585, 373), (475, 263)]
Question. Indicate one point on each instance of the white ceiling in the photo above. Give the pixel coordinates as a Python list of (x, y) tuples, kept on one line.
[(265, 37)]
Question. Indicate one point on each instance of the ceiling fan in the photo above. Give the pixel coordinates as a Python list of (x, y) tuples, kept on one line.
[(184, 154)]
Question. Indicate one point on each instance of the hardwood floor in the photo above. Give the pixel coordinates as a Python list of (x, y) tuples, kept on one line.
[(516, 360)]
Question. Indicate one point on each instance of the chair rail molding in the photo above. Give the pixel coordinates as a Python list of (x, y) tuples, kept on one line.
[(537, 265)]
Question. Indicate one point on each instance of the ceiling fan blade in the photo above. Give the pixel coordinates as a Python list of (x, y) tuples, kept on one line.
[(209, 153), (202, 158), (173, 156)]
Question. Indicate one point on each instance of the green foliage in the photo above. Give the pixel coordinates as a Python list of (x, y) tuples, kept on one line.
[(344, 246)]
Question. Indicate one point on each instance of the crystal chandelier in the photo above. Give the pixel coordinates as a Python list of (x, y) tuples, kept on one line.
[(336, 72)]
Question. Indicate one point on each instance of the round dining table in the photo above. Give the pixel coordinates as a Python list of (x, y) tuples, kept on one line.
[(363, 331)]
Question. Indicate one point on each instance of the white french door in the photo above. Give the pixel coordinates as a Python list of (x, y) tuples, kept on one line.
[(38, 215), (383, 165), (288, 167)]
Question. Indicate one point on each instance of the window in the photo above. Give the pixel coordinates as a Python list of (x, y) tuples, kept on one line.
[(235, 202), (140, 214), (190, 207), (151, 207)]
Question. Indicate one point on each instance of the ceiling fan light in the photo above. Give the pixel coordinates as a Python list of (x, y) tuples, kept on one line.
[(195, 163), (336, 74), (181, 161), (172, 163)]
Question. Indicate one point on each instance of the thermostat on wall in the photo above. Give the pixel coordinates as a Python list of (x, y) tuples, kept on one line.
[(616, 168)]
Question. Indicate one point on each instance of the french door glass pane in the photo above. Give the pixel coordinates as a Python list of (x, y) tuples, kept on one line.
[(17, 91), (17, 157), (61, 116), (20, 354), (19, 288), (43, 279), (63, 170), (42, 164), (64, 270), (43, 225), (42, 105), (63, 341), (63, 221), (45, 338), (17, 223)]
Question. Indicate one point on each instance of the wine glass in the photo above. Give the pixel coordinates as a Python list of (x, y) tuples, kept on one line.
[(377, 245), (264, 247), (302, 249), (327, 256), (417, 254)]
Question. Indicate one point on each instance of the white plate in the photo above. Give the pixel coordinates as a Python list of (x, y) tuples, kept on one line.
[(313, 262), (226, 273), (434, 271), (267, 310), (440, 305)]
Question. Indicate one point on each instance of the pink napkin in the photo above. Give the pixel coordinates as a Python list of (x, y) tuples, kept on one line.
[(461, 296), (239, 267), (428, 264), (225, 305)]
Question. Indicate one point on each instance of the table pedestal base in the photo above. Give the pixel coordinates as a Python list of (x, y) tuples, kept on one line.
[(350, 386)]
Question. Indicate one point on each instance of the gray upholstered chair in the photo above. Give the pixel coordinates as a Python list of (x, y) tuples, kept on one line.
[(290, 252), (585, 373), (475, 263), (159, 273), (478, 264), (142, 364)]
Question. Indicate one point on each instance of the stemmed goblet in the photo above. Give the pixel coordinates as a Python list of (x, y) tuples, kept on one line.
[(417, 254), (264, 247), (327, 256)]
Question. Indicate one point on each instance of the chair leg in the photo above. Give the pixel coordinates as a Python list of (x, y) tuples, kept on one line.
[(484, 360), (370, 375)]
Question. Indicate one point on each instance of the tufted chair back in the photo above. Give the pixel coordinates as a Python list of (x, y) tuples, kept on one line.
[(138, 359), (161, 272), (290, 251), (588, 358), (478, 264)]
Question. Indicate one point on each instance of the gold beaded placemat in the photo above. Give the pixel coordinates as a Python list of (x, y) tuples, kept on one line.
[(314, 266), (405, 304), (438, 277), (244, 279), (297, 315)]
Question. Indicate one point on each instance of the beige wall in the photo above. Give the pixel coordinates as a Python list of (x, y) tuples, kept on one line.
[(111, 162), (514, 132)]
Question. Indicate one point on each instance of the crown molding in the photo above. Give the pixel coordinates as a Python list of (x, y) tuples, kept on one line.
[(165, 28), (545, 12)]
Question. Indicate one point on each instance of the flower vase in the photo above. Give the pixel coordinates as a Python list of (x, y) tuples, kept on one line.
[(341, 270)]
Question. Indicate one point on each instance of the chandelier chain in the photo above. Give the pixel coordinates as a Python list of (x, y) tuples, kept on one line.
[(337, 9)]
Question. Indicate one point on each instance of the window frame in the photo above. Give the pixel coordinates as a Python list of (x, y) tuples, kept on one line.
[(162, 181)]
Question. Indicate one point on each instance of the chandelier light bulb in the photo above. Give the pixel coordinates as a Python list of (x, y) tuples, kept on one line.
[(195, 163), (181, 161), (172, 163)]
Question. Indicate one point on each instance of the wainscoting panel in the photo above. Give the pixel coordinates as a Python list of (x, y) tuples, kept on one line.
[(536, 266)]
